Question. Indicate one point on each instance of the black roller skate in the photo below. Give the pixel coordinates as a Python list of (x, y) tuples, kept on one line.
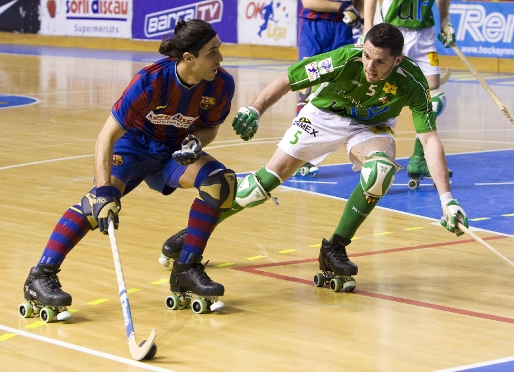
[(172, 247), (336, 267), (44, 295), (189, 280), (417, 169)]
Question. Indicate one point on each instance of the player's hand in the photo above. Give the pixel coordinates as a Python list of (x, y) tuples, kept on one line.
[(453, 213), (190, 152), (246, 122), (105, 205), (447, 35), (352, 18)]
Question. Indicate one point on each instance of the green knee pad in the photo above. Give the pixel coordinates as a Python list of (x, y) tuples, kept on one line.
[(377, 173), (253, 190)]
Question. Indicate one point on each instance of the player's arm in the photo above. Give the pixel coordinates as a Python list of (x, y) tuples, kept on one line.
[(323, 5), (370, 7), (205, 134), (447, 34)]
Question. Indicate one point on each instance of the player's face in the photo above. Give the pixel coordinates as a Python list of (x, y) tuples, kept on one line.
[(209, 59), (378, 63)]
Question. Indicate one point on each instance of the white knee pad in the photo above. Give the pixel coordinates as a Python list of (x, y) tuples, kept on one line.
[(438, 101), (377, 174), (250, 192)]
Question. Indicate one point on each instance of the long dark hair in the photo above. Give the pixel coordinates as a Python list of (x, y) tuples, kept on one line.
[(189, 36)]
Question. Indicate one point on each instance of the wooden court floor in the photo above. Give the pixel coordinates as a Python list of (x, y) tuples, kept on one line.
[(424, 302)]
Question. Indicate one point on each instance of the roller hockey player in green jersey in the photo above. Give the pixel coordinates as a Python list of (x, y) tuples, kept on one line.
[(363, 90), (415, 20)]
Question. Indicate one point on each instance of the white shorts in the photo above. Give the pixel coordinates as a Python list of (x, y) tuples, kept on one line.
[(315, 134), (420, 46)]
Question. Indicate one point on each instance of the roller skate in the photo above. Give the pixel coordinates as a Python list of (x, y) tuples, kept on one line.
[(417, 169), (172, 247), (188, 281), (307, 170), (44, 296), (336, 267)]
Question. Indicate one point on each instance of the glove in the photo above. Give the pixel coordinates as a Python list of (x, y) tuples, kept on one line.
[(452, 212), (190, 152), (447, 34), (105, 206), (246, 122), (352, 18)]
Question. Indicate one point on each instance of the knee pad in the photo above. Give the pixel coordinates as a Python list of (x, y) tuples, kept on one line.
[(219, 189), (250, 192), (377, 174), (86, 206), (438, 101)]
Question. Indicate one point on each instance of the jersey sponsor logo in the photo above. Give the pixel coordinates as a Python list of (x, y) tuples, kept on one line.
[(303, 123), (177, 120), (358, 113), (384, 100), (164, 22), (390, 88), (312, 71), (326, 66), (207, 102)]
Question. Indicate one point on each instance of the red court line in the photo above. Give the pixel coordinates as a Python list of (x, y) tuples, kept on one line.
[(255, 270)]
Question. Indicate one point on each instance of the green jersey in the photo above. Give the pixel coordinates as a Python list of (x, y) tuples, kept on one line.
[(345, 91), (416, 14)]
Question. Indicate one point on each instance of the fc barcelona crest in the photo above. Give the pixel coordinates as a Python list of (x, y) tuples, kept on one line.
[(207, 102)]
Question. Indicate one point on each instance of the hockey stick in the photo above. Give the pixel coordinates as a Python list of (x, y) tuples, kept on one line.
[(481, 80), (137, 352), (446, 75), (481, 241)]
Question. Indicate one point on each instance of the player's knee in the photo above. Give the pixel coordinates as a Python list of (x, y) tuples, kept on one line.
[(377, 174), (250, 192), (218, 190), (438, 101), (86, 206)]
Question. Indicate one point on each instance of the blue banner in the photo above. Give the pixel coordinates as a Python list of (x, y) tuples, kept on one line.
[(482, 29), (152, 19)]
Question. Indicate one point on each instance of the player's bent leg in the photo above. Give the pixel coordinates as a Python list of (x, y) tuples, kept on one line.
[(377, 174)]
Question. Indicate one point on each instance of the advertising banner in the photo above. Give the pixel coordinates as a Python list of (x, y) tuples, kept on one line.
[(91, 18), (267, 22), (153, 19), (482, 29)]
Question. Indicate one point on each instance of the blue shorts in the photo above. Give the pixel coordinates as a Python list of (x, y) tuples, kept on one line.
[(151, 161), (317, 36)]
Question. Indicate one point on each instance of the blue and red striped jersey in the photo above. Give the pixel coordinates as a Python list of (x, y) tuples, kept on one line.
[(331, 16)]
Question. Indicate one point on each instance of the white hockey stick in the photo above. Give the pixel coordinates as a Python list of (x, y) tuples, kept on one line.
[(137, 352), (485, 244), (446, 75)]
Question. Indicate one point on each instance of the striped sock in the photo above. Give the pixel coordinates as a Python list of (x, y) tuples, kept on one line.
[(70, 229), (201, 224)]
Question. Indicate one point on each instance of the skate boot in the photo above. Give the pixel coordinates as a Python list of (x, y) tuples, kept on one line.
[(189, 280), (172, 247), (336, 267), (44, 295), (307, 170), (417, 169)]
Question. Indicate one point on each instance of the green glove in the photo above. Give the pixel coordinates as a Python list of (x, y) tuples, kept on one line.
[(246, 122), (447, 35), (452, 212)]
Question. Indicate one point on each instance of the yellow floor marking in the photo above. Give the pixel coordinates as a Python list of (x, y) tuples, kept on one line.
[(7, 336), (39, 323), (287, 251), (225, 264), (160, 281), (132, 290), (384, 233), (315, 245), (72, 310), (254, 258), (99, 301), (479, 219), (414, 228)]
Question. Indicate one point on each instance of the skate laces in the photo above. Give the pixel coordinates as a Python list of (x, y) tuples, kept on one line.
[(339, 254), (199, 271), (51, 282)]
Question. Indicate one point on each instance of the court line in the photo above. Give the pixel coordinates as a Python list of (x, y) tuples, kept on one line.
[(85, 350), (256, 269)]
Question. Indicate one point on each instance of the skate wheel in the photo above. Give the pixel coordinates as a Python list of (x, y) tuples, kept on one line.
[(349, 285), (319, 280), (173, 302), (199, 306), (413, 184), (47, 314), (217, 305), (336, 284), (63, 315), (164, 261), (25, 310)]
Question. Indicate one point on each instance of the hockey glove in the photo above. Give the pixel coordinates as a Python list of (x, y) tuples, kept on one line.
[(246, 122), (453, 212), (352, 18), (105, 205), (447, 34), (190, 152)]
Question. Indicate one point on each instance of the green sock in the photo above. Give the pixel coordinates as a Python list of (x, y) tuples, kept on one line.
[(356, 211), (418, 148), (269, 181)]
